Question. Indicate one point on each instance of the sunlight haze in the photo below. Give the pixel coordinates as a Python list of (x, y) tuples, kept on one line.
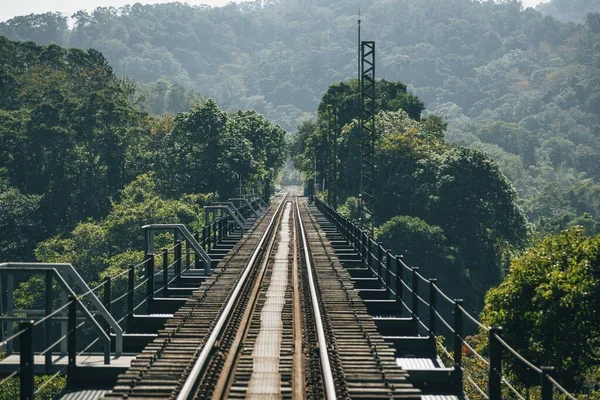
[(68, 7)]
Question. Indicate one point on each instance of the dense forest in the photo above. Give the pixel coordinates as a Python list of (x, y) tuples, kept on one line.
[(448, 209), (569, 10), (489, 148), (519, 85), (72, 142)]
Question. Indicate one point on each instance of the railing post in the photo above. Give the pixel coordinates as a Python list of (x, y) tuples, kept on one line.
[(165, 266), (415, 293), (72, 342), (399, 280), (187, 255), (547, 390), (388, 270), (48, 323), (26, 361), (365, 245), (214, 235), (178, 257), (380, 262), (495, 367), (106, 300), (370, 253), (432, 306), (150, 276), (457, 375), (208, 237), (204, 238), (347, 230), (130, 286), (196, 256)]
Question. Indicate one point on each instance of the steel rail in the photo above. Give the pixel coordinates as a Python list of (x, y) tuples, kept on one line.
[(191, 380), (227, 374), (328, 381)]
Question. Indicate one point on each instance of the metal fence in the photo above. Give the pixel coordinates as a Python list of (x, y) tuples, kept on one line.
[(434, 313)]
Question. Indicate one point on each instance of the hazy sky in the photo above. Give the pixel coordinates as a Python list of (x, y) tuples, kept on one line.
[(11, 8)]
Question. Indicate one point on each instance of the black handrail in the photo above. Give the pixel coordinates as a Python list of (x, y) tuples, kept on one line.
[(378, 260)]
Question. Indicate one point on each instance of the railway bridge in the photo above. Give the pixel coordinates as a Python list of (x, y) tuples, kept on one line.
[(287, 300)]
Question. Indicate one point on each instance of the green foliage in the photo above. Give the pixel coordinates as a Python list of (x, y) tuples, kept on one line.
[(548, 306), (506, 80), (462, 204), (241, 144), (422, 245), (19, 221), (459, 190), (72, 139), (67, 137), (10, 389), (118, 240)]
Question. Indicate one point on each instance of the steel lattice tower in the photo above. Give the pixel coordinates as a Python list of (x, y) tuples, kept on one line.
[(368, 134)]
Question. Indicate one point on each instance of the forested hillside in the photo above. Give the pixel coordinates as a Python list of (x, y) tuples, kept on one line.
[(521, 86), (72, 142), (569, 10)]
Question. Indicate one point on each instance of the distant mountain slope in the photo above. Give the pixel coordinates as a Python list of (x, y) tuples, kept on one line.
[(569, 10), (520, 85)]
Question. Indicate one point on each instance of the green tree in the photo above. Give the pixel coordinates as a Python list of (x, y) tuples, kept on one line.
[(20, 226), (548, 306)]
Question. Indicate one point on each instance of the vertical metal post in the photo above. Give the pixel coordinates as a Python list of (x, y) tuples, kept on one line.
[(333, 133), (106, 300), (457, 374), (108, 296), (547, 390), (150, 275), (1, 307), (432, 307), (26, 361), (388, 270), (72, 342), (64, 299), (214, 235), (380, 262), (196, 256), (208, 237), (415, 295), (165, 265), (399, 279), (495, 367), (205, 235), (187, 255), (48, 324), (130, 287), (10, 301), (178, 257), (369, 253)]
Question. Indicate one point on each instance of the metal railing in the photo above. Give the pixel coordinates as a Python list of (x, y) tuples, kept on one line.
[(413, 291), (130, 291)]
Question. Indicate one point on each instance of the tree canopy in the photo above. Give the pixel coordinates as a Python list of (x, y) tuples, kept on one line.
[(549, 306), (449, 208), (513, 82)]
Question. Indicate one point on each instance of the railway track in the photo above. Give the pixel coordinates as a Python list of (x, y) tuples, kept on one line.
[(278, 319)]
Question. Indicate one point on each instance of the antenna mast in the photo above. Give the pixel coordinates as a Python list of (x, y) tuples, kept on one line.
[(359, 21)]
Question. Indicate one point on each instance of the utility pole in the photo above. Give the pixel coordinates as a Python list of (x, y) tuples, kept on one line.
[(359, 22), (333, 134)]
